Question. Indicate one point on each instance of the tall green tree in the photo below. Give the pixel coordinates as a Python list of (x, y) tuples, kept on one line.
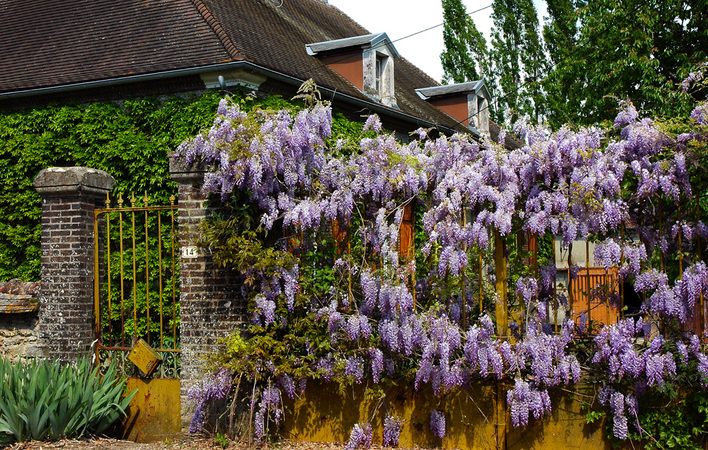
[(609, 50), (518, 59), (466, 57), (561, 28), (560, 36)]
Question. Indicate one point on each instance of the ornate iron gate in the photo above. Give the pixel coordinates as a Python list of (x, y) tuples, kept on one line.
[(136, 286)]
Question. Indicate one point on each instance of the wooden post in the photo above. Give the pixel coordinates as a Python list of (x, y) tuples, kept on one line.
[(555, 289), (570, 279), (501, 415), (480, 280), (587, 281), (500, 272)]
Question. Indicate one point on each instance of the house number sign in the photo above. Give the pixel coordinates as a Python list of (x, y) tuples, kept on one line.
[(190, 251)]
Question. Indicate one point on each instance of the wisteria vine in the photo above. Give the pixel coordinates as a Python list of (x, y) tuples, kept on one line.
[(382, 314)]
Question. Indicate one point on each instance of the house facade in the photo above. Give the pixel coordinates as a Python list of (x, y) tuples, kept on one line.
[(81, 51)]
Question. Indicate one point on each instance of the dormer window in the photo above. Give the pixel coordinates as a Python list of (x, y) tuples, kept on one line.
[(379, 71), (468, 103), (366, 61)]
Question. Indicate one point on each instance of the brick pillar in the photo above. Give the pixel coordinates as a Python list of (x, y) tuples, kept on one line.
[(210, 304), (69, 197)]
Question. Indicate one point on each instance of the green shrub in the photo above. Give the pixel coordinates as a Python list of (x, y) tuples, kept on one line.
[(43, 399), (131, 140)]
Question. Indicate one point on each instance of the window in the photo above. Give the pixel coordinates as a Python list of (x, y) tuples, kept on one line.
[(379, 72)]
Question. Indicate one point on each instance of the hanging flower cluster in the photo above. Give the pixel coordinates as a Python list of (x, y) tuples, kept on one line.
[(214, 387), (380, 319)]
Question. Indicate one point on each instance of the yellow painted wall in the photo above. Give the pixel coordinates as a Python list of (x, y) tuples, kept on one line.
[(472, 418)]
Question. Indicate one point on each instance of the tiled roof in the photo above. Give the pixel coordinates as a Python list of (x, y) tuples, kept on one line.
[(277, 34), (55, 42), (45, 43)]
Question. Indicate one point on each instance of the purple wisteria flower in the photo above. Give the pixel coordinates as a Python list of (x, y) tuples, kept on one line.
[(360, 437), (392, 430), (525, 400), (437, 423), (700, 114), (377, 363), (692, 78), (354, 369), (373, 123), (213, 387), (566, 184), (264, 314)]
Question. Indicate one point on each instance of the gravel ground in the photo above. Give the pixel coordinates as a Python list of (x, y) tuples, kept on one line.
[(184, 442)]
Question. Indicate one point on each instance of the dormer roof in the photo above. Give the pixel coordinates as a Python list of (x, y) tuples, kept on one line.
[(368, 40), (477, 87)]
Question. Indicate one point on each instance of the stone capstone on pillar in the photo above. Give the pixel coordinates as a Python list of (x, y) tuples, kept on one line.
[(64, 181), (183, 173)]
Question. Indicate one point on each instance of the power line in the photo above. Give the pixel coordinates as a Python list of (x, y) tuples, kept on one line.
[(438, 25)]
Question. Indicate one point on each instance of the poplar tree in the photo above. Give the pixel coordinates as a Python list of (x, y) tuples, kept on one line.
[(560, 36), (598, 53), (466, 57), (518, 59)]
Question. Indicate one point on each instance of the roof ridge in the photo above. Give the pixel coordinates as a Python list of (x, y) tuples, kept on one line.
[(218, 30)]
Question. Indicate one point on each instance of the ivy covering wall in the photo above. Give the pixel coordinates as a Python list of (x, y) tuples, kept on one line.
[(131, 140)]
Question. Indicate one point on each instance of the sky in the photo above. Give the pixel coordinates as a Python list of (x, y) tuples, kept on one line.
[(400, 18)]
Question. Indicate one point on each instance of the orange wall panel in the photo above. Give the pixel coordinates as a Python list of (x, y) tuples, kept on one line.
[(348, 65), (454, 106)]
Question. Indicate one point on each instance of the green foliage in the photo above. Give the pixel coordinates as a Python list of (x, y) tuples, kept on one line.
[(518, 58), (465, 57), (682, 424), (130, 140), (600, 52), (606, 51), (47, 400), (560, 30), (221, 440), (593, 416), (148, 289), (237, 242)]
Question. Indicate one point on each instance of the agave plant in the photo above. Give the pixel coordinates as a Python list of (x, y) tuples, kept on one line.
[(41, 399)]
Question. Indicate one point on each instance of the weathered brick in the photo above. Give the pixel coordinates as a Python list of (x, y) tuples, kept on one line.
[(207, 293), (66, 289)]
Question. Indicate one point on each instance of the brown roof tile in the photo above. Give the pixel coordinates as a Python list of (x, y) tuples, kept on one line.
[(48, 42), (277, 32)]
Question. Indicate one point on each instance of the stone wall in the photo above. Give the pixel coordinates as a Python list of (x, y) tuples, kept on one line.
[(477, 417), (19, 320)]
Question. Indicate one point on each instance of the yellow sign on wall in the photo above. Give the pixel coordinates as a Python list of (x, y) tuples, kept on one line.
[(144, 357)]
